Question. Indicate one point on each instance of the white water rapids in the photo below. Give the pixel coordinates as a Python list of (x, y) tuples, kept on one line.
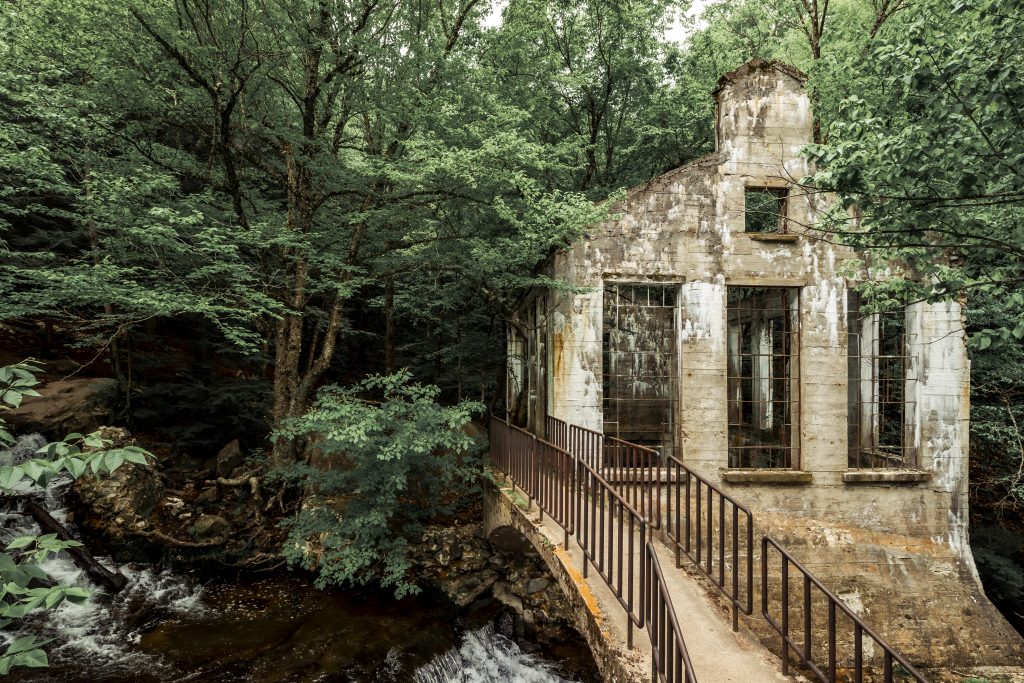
[(485, 656), (104, 639), (103, 631)]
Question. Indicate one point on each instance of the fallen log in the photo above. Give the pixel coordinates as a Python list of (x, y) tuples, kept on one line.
[(112, 582)]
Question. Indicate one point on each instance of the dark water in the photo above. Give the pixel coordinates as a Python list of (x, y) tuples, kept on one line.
[(280, 628), (168, 626)]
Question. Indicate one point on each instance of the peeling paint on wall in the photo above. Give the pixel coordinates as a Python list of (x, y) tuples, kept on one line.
[(703, 306)]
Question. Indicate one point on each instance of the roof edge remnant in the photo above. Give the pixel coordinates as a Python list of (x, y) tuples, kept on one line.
[(758, 64)]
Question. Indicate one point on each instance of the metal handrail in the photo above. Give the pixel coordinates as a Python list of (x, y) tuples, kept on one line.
[(542, 470), (599, 504), (637, 476), (669, 659), (691, 535), (639, 590), (668, 649), (804, 650)]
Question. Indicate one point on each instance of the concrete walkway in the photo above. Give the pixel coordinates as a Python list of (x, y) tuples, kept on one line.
[(718, 655)]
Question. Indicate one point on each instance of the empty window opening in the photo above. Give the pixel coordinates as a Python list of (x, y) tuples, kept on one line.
[(639, 363), (518, 374), (881, 388), (763, 376), (764, 209)]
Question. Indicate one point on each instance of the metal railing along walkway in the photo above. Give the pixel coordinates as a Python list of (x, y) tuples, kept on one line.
[(614, 537), (580, 473)]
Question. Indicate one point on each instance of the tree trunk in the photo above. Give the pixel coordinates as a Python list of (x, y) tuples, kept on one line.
[(389, 327)]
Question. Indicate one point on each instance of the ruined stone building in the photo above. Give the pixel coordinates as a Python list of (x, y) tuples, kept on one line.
[(710, 319)]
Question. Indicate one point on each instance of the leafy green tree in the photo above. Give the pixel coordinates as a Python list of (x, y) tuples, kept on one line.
[(928, 146), (388, 459), (275, 164), (98, 230), (593, 77)]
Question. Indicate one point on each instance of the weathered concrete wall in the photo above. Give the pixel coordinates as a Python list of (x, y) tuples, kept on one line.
[(686, 227), (576, 356)]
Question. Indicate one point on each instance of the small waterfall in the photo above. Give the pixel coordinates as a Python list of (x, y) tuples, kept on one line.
[(101, 633), (485, 656)]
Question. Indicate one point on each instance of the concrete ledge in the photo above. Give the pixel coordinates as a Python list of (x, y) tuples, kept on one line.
[(765, 476), (886, 476), (772, 237)]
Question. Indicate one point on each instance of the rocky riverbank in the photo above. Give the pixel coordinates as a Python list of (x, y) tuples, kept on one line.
[(152, 514), (475, 572)]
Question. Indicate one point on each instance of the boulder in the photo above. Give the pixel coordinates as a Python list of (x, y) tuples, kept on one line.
[(21, 450), (123, 501), (536, 585), (68, 405), (502, 594), (229, 457), (207, 497), (209, 527)]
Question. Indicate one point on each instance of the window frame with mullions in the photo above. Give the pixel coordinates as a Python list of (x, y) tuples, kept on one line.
[(774, 222), (763, 407), (887, 376), (611, 400)]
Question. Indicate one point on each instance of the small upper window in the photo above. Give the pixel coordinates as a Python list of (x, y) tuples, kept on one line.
[(764, 209)]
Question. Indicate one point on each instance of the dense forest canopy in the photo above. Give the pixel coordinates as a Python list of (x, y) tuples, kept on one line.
[(230, 205)]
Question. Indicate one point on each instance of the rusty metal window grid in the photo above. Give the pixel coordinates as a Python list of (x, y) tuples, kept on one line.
[(880, 380), (639, 362), (764, 209), (763, 377)]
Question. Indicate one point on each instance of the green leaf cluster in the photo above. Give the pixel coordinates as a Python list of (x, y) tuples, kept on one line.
[(385, 459), (924, 145)]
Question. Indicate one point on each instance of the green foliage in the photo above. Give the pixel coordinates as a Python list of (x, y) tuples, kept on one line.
[(21, 561), (386, 458), (596, 77), (928, 144), (24, 651), (97, 230), (16, 382)]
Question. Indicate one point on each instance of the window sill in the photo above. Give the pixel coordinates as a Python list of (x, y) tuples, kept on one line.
[(765, 476), (886, 476), (772, 236)]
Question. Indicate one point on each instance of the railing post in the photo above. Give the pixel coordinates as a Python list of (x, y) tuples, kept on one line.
[(629, 576), (735, 568), (785, 616), (807, 618), (644, 588), (531, 476), (831, 642), (858, 653)]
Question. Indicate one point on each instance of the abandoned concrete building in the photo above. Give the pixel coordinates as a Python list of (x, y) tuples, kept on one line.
[(711, 320)]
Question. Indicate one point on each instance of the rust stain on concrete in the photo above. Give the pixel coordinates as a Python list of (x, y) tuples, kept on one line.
[(581, 584)]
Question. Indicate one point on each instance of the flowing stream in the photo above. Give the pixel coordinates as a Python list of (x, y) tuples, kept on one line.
[(170, 626)]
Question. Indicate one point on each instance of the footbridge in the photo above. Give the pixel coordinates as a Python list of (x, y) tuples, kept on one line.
[(671, 576)]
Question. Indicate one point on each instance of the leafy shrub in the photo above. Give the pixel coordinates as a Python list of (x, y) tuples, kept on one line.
[(386, 458)]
